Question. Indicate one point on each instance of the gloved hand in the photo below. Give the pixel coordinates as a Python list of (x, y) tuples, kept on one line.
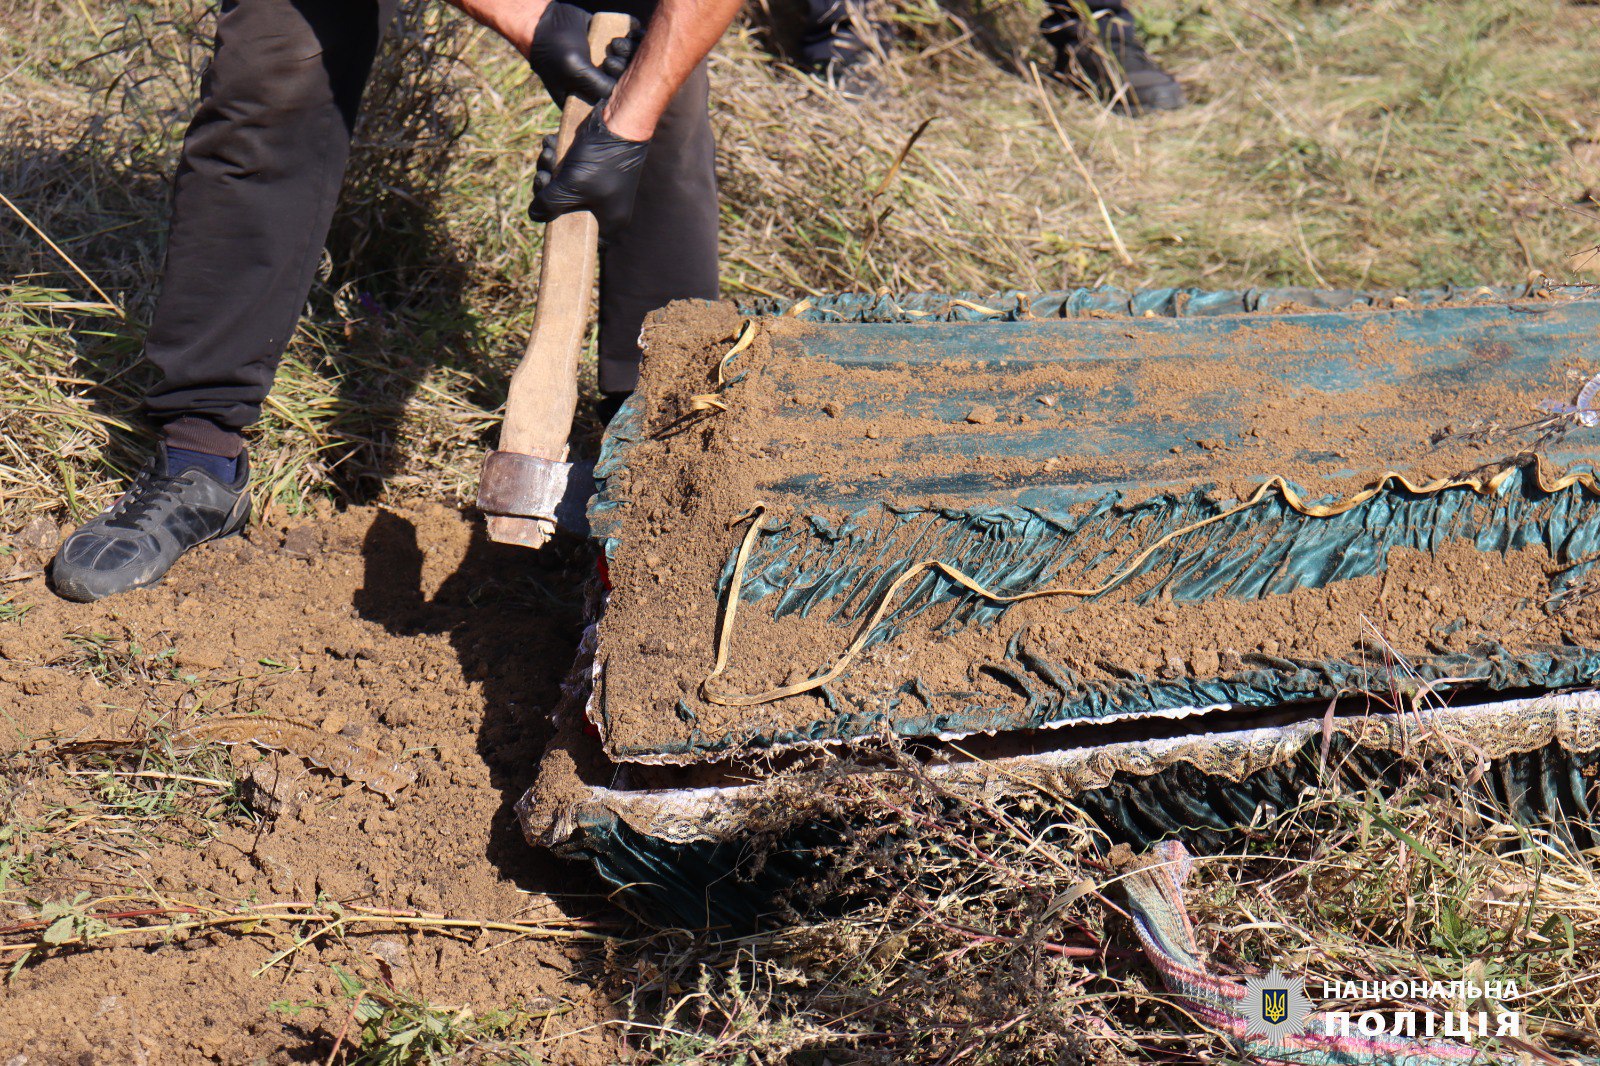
[(559, 54), (599, 173)]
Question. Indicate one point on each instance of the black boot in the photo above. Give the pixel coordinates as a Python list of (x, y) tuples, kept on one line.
[(163, 514), (833, 48), (1111, 65)]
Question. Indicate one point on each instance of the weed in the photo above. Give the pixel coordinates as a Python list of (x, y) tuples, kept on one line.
[(293, 1008), (69, 920), (103, 807), (20, 859), (397, 1029), (115, 661), (386, 1026), (170, 789)]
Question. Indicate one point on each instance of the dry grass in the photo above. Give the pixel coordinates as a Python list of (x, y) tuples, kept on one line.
[(980, 933), (1360, 144)]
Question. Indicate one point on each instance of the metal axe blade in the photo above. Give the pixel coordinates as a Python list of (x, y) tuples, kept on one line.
[(543, 490)]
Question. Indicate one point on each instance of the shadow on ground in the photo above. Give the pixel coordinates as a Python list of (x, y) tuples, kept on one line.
[(514, 616)]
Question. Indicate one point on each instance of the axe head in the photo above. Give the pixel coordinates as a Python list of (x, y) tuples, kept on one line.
[(527, 498)]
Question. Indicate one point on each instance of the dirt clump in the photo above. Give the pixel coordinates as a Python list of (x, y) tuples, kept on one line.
[(406, 631)]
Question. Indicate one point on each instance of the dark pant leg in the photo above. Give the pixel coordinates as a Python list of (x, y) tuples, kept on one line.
[(826, 14), (669, 249), (257, 181)]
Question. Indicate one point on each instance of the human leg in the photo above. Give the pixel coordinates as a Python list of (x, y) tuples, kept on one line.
[(1098, 50), (669, 249), (257, 180)]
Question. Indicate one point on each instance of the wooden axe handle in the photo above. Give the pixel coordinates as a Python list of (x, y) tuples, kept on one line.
[(544, 387)]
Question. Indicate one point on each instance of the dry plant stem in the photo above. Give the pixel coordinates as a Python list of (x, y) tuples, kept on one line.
[(1077, 162), (344, 1029), (900, 159), (708, 401), (65, 258), (300, 912), (1068, 951), (24, 927)]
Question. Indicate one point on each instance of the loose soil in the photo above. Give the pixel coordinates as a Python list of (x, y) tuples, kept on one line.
[(404, 630), (809, 436)]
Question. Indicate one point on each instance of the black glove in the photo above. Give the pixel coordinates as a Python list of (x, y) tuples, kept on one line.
[(559, 54), (599, 173)]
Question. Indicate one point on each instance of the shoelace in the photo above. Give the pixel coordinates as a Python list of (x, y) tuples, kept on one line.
[(143, 502)]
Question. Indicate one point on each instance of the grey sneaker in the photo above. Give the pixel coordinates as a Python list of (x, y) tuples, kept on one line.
[(161, 516)]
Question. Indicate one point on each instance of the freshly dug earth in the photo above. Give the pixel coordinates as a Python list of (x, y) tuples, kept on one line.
[(1076, 407), (404, 631)]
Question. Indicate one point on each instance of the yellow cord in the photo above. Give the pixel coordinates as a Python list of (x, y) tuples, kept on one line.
[(707, 401)]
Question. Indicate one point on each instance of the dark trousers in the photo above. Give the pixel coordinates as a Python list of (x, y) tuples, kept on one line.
[(259, 177)]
